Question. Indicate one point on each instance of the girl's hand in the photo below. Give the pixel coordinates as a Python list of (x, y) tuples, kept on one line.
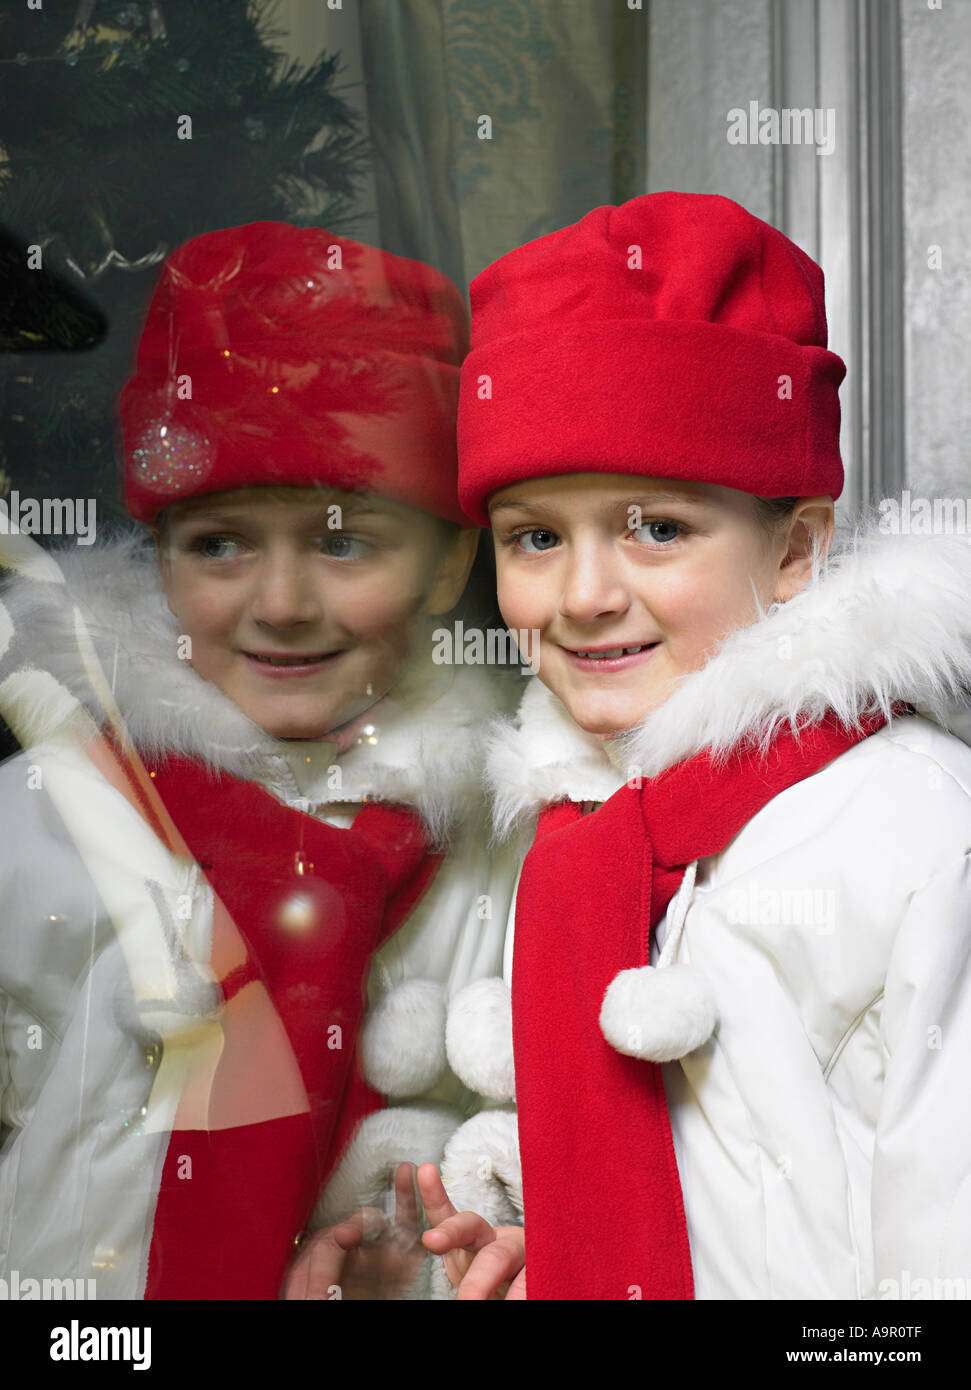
[(365, 1257), (481, 1261)]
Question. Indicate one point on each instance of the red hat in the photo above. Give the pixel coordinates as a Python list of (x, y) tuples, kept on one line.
[(282, 355), (676, 336)]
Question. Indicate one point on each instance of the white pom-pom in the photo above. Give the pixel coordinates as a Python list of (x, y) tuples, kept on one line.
[(481, 1170), (478, 1038), (365, 1175), (403, 1040), (658, 1015)]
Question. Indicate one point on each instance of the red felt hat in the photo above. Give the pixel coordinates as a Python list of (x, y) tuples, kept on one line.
[(289, 356), (675, 336)]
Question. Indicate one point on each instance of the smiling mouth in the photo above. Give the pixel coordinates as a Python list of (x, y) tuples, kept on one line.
[(611, 654), (301, 659)]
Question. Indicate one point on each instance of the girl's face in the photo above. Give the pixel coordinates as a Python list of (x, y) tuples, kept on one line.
[(300, 606), (633, 582)]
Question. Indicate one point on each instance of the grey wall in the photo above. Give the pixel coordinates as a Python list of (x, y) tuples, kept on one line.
[(898, 74), (936, 47)]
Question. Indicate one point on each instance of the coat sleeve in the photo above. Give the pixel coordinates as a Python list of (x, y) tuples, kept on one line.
[(86, 1103), (46, 908), (921, 1191)]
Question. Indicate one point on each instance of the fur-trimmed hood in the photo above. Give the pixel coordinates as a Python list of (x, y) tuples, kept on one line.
[(887, 618), (428, 749)]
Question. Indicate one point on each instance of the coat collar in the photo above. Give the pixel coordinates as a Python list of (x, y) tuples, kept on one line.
[(424, 749), (887, 618)]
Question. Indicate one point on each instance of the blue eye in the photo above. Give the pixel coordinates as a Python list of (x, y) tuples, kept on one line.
[(651, 527), (542, 540), (342, 547)]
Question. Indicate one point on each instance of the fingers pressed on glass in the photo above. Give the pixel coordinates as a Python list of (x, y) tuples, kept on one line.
[(406, 1200), (493, 1266), (434, 1198), (319, 1265), (466, 1231)]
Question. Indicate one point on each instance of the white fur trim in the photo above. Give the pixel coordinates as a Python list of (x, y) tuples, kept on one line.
[(38, 708), (478, 1038), (658, 1015), (481, 1170), (887, 619), (440, 1286), (6, 629), (397, 1134), (541, 757), (403, 1039)]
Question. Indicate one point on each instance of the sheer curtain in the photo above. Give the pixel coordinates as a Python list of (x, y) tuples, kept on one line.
[(495, 123), (491, 123)]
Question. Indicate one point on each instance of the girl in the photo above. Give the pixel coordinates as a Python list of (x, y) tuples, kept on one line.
[(741, 957), (241, 769)]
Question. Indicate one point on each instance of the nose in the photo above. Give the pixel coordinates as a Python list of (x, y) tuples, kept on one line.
[(594, 586), (284, 589)]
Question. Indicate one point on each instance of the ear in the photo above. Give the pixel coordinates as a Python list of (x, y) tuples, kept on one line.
[(452, 572), (809, 532), (165, 569)]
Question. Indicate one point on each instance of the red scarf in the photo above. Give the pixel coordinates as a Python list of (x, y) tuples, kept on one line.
[(233, 1196), (603, 1209)]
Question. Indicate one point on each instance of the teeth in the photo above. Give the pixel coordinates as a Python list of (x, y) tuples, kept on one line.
[(285, 661), (618, 651)]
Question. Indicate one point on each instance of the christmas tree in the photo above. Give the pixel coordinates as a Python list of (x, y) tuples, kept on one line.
[(126, 129)]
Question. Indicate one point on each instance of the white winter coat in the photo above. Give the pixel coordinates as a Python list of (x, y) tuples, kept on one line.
[(822, 1134), (89, 901)]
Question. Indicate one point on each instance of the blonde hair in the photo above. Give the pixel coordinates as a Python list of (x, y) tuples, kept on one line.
[(772, 512)]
